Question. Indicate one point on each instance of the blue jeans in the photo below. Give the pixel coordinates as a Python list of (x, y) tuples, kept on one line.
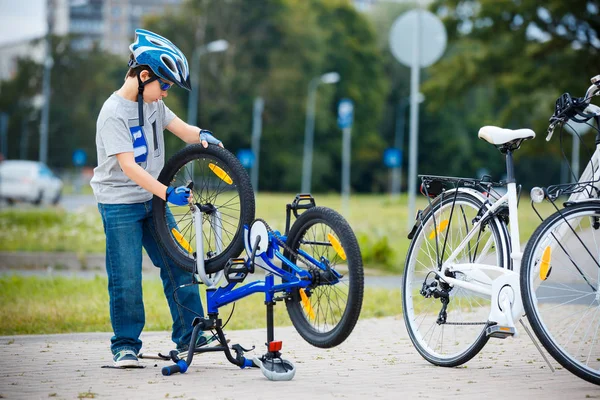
[(128, 227)]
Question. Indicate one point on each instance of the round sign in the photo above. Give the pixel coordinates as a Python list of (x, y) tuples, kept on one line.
[(432, 37)]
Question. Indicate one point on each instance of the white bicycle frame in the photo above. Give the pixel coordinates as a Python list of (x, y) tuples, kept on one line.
[(503, 286), (498, 282)]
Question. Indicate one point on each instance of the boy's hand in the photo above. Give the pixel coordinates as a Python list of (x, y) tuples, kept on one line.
[(179, 196), (207, 137)]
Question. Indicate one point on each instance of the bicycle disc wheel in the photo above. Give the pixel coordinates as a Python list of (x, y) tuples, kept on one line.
[(325, 313), (560, 284), (222, 186), (458, 336)]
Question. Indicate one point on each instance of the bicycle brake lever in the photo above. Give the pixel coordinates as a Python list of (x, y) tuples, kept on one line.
[(550, 131)]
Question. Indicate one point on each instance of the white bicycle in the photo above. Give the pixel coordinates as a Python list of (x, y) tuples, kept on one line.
[(466, 279)]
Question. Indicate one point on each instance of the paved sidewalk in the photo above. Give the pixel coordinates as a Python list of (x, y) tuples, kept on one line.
[(377, 361)]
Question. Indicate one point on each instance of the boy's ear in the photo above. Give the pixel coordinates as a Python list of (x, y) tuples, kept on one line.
[(144, 75)]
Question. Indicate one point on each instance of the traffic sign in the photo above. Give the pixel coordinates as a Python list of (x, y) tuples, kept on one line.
[(345, 113), (79, 157), (246, 157), (392, 157)]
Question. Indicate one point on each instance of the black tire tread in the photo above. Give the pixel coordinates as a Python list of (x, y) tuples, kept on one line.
[(247, 205), (356, 285)]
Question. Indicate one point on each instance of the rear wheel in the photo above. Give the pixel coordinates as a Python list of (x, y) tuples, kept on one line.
[(222, 187), (455, 337), (325, 313)]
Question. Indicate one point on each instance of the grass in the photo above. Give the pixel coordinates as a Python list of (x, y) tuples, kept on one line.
[(40, 305), (379, 222)]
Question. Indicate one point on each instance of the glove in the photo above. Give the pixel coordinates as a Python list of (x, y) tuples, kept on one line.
[(208, 136), (178, 196)]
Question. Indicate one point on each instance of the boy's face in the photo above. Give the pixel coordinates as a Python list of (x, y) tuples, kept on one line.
[(153, 91)]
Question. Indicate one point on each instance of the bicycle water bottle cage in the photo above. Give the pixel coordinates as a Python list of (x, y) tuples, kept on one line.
[(235, 270)]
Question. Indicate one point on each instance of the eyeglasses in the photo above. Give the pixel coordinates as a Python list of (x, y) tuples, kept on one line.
[(164, 86)]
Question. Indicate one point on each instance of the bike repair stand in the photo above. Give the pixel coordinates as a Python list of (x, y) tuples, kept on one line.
[(271, 364)]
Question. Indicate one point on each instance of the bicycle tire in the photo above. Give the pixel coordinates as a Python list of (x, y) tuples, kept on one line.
[(421, 327), (314, 226), (219, 180), (550, 275)]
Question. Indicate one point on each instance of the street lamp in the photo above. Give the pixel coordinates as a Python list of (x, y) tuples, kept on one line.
[(212, 47), (309, 131)]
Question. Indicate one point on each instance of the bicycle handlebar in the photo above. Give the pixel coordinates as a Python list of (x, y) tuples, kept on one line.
[(181, 366), (583, 104)]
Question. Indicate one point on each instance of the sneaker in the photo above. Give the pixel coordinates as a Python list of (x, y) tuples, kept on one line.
[(125, 358)]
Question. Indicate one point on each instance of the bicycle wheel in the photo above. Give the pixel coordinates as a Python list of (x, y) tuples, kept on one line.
[(325, 313), (222, 185), (458, 336), (560, 279)]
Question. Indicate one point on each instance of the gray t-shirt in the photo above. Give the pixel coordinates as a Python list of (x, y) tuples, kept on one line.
[(118, 131)]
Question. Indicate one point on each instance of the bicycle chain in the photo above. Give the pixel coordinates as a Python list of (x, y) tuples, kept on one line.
[(285, 246)]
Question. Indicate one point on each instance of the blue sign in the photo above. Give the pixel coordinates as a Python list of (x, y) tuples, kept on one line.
[(79, 158), (345, 113), (246, 157), (392, 157)]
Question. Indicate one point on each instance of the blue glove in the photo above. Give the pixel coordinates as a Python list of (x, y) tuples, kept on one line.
[(178, 196), (208, 136)]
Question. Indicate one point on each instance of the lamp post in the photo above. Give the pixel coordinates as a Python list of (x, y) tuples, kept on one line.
[(309, 130), (212, 47)]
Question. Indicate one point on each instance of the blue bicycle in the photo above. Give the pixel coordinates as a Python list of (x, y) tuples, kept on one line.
[(317, 260)]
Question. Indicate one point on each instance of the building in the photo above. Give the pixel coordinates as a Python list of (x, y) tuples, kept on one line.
[(122, 17)]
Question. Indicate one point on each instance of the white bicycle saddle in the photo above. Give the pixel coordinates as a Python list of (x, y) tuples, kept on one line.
[(498, 136)]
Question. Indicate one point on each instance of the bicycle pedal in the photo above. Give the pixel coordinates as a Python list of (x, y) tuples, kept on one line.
[(500, 332), (236, 270)]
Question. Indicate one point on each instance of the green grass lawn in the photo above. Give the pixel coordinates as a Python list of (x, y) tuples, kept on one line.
[(379, 223), (40, 305)]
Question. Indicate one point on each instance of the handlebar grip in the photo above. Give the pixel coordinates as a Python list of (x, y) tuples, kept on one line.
[(181, 366)]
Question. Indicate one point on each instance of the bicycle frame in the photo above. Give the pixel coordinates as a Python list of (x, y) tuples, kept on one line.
[(503, 287), (296, 278)]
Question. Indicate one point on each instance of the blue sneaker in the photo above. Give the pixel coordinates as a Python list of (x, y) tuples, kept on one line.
[(126, 358)]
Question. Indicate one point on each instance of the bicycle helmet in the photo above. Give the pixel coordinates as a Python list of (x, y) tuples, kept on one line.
[(164, 59), (162, 56)]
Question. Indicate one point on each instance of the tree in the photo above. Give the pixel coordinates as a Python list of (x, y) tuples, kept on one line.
[(276, 48), (522, 54)]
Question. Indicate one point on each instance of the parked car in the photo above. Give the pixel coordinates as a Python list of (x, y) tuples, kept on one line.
[(29, 181)]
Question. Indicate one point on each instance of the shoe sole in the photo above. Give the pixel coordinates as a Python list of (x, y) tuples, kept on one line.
[(127, 363)]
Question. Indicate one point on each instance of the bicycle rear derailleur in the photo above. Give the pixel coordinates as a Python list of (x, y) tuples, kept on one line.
[(437, 290)]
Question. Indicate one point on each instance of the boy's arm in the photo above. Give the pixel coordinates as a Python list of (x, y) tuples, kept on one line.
[(188, 133), (140, 176)]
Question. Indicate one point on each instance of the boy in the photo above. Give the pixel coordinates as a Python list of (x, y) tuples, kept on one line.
[(130, 148)]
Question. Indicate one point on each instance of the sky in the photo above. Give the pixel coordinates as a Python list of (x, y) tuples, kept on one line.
[(21, 20)]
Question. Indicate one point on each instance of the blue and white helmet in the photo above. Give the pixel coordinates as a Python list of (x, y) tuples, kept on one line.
[(162, 56)]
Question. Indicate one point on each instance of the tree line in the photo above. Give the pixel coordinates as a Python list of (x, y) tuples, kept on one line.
[(503, 65)]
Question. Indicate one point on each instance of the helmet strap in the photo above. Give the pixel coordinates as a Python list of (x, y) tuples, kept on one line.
[(140, 96)]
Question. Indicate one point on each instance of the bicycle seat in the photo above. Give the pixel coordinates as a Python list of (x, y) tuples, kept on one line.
[(499, 136)]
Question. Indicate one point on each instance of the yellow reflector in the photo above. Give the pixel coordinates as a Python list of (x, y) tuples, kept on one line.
[(306, 304), (337, 246), (505, 328), (545, 263), (442, 225), (218, 171), (181, 240)]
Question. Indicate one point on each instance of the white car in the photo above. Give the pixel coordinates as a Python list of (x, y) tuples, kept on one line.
[(29, 181)]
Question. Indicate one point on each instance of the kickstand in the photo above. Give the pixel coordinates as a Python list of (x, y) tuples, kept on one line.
[(537, 345)]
